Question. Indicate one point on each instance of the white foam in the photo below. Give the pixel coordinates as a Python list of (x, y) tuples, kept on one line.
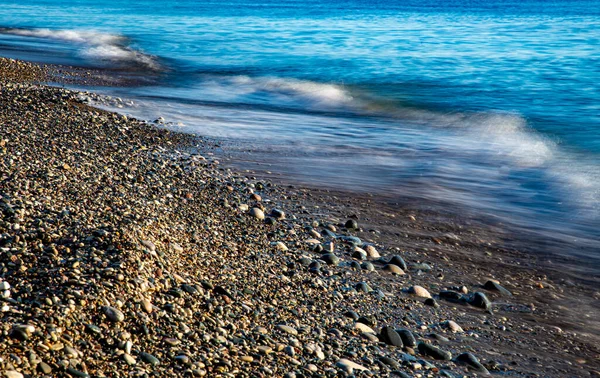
[(94, 44)]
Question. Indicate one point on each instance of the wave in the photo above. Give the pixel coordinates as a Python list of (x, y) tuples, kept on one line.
[(98, 46)]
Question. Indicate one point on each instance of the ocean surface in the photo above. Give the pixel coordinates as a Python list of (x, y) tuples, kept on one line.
[(490, 106)]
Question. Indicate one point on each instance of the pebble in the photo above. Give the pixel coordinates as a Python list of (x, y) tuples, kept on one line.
[(389, 336), (363, 328), (351, 224), (399, 261), (480, 300), (149, 359), (471, 361), (257, 213), (287, 329), (427, 349), (419, 291), (330, 259), (453, 326), (349, 366), (494, 286), (113, 314), (394, 269), (408, 339)]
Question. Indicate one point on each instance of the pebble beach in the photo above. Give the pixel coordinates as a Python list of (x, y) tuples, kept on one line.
[(127, 249)]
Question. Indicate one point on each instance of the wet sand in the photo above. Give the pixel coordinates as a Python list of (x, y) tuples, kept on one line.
[(127, 249)]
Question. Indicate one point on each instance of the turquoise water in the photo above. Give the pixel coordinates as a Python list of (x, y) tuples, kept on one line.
[(492, 106)]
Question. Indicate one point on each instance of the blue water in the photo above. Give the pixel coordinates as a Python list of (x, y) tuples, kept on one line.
[(490, 105)]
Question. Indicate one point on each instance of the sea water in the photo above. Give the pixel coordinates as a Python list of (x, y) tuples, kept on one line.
[(491, 106)]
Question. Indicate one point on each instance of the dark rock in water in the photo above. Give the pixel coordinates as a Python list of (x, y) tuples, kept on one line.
[(398, 261), (351, 224), (480, 300), (390, 362), (493, 286), (389, 336), (427, 349), (330, 259), (471, 361), (363, 287), (408, 339), (149, 359), (431, 302), (351, 314), (451, 296)]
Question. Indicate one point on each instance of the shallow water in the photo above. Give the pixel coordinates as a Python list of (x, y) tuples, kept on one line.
[(493, 107)]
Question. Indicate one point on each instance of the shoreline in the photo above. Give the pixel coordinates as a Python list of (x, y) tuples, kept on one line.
[(162, 253)]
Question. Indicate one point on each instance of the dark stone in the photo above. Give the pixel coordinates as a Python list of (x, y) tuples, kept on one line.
[(408, 339), (398, 261), (189, 289), (328, 233), (351, 314), (427, 349), (493, 286), (390, 362), (368, 320), (18, 334), (480, 300), (359, 255), (389, 336), (149, 359), (363, 287), (330, 259), (431, 302), (222, 291), (44, 368), (77, 373), (472, 362), (351, 224), (438, 337), (451, 296), (355, 265), (277, 214)]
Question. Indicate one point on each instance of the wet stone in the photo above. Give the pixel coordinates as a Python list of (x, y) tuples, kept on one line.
[(389, 336), (408, 339), (398, 261)]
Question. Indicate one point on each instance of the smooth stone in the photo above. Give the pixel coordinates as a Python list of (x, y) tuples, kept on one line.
[(431, 302), (419, 291), (351, 224), (44, 368), (247, 358), (277, 214), (363, 327), (434, 352), (257, 213), (372, 252), (367, 266), (438, 337), (351, 314), (408, 339), (264, 349), (76, 373), (389, 336), (399, 261), (390, 362), (359, 254), (453, 326), (329, 234), (451, 296), (480, 300), (351, 240), (423, 267), (394, 269), (12, 374), (472, 361), (146, 305), (281, 247), (287, 329), (349, 366), (4, 286), (149, 359), (494, 286), (363, 287), (129, 359), (113, 314), (330, 259), (149, 245)]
